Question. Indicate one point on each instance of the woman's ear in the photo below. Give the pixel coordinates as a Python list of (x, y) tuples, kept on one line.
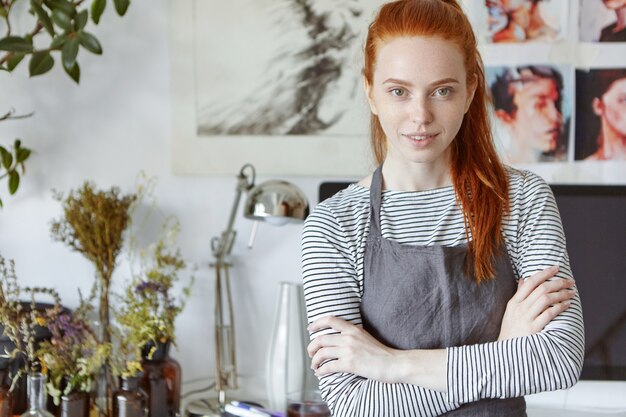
[(368, 93), (471, 90), (598, 106)]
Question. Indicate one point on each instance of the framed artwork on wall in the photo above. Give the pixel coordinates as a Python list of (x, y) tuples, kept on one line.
[(275, 83)]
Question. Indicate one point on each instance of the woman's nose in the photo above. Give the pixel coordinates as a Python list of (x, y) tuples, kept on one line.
[(420, 112)]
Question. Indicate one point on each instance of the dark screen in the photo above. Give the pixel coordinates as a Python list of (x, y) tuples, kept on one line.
[(594, 220)]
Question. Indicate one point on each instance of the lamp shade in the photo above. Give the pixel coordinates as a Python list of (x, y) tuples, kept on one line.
[(276, 202)]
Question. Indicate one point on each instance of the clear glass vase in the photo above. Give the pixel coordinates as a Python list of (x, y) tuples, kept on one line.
[(37, 396)]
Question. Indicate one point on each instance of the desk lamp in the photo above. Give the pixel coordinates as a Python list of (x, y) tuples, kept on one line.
[(275, 202)]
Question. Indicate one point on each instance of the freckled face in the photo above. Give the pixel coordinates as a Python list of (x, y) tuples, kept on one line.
[(420, 95)]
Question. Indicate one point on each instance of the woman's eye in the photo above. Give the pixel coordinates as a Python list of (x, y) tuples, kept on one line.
[(442, 92), (398, 92)]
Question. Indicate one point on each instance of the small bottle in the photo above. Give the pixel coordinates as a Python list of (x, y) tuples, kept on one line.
[(130, 400), (37, 396), (6, 396)]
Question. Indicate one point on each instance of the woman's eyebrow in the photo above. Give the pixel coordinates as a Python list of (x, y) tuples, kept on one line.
[(448, 80)]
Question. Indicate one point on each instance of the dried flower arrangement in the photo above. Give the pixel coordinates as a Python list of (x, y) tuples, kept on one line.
[(20, 324), (73, 355), (148, 307), (93, 224)]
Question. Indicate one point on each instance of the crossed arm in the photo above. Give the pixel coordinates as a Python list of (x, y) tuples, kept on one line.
[(350, 349)]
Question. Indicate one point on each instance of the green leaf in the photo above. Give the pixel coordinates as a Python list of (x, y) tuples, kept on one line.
[(14, 182), (62, 20), (90, 42), (15, 44), (40, 63), (81, 19), (59, 41), (14, 60), (73, 72), (43, 17), (17, 144), (62, 5), (2, 152), (69, 53), (7, 159), (121, 6), (97, 8), (22, 155), (1, 205)]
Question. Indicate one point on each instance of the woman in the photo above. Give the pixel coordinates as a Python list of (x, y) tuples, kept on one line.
[(410, 275)]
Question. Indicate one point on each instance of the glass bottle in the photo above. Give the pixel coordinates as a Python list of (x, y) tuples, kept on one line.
[(6, 396), (130, 400), (75, 404), (161, 380), (37, 396)]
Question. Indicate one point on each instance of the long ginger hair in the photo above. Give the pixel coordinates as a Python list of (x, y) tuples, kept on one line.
[(478, 176)]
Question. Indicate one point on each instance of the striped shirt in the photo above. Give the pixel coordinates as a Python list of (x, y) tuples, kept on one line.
[(333, 246)]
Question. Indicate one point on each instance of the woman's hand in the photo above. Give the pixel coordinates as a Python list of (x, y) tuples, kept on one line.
[(352, 350), (537, 301)]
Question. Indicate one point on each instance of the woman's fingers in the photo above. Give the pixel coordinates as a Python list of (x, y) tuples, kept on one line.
[(549, 313), (323, 355), (560, 292), (528, 285), (330, 322), (549, 292)]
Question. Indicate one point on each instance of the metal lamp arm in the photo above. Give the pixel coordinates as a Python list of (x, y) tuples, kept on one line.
[(223, 245)]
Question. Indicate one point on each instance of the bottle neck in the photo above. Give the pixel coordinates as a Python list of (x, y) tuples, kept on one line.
[(129, 383), (36, 391)]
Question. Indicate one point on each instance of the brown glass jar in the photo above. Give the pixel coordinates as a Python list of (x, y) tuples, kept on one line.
[(161, 380), (130, 400)]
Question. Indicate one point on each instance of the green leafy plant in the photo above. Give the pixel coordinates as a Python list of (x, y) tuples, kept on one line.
[(11, 160), (65, 23), (60, 28)]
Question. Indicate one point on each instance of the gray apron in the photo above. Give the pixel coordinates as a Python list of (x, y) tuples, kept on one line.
[(420, 297)]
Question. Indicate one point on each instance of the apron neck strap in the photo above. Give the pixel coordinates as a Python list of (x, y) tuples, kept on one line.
[(376, 201)]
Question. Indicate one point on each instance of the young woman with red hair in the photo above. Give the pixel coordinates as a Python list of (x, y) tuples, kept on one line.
[(440, 284)]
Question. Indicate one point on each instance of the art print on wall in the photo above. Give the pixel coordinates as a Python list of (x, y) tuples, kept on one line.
[(525, 21), (531, 112), (276, 83), (601, 115)]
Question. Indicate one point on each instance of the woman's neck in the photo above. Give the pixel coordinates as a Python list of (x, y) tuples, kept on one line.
[(412, 176)]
